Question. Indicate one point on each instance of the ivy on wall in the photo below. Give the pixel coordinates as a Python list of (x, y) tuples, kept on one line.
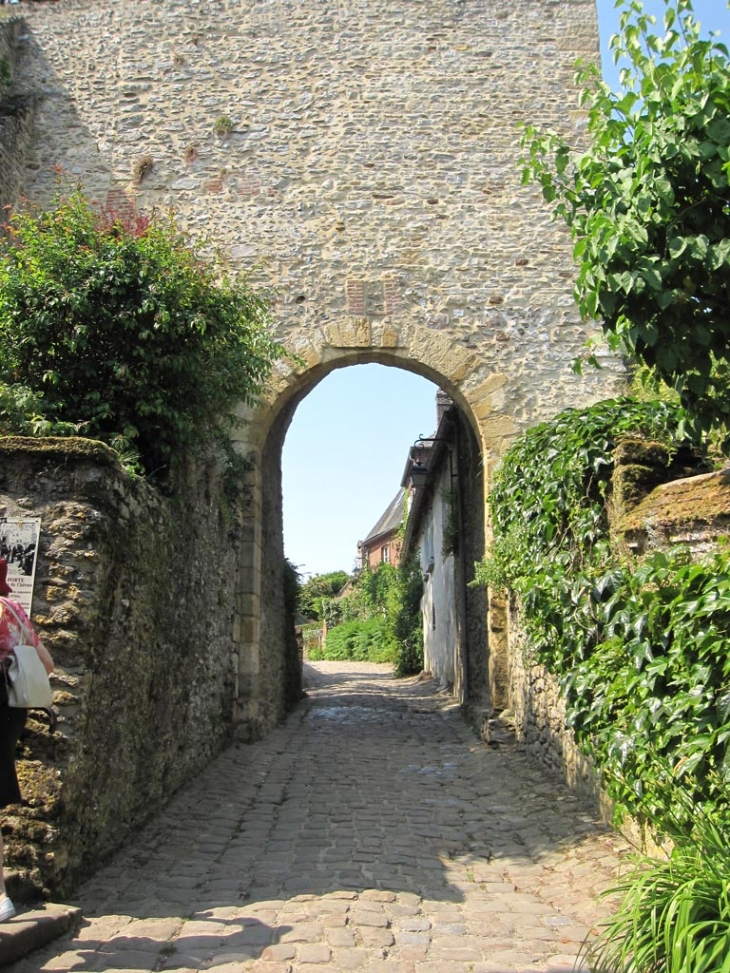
[(639, 645)]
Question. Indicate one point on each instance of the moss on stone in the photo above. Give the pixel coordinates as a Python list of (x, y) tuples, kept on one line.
[(641, 452), (60, 447), (703, 499), (632, 483)]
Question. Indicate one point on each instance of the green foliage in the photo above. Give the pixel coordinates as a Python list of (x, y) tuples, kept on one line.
[(357, 641), (648, 203), (550, 521), (390, 597), (652, 701), (118, 328), (675, 913), (367, 597), (21, 415), (223, 125), (405, 620), (317, 591), (640, 647)]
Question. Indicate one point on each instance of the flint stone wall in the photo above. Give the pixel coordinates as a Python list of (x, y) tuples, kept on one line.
[(135, 596)]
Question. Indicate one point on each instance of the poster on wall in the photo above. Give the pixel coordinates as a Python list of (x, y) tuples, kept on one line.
[(19, 546)]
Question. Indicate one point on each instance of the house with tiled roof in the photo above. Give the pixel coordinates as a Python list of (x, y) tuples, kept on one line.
[(383, 544)]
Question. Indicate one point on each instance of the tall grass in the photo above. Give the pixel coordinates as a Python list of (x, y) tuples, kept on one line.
[(675, 913)]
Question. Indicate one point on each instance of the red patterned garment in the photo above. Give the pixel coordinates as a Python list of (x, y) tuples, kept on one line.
[(11, 633)]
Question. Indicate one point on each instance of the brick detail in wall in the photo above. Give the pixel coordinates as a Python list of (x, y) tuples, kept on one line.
[(372, 299)]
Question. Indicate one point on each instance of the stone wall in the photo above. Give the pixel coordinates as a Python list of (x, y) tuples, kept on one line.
[(359, 157), (136, 596), (17, 112), (537, 712)]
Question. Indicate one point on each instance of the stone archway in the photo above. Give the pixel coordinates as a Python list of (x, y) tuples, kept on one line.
[(366, 174), (488, 401)]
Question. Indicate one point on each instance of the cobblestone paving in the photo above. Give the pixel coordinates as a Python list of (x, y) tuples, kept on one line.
[(374, 832)]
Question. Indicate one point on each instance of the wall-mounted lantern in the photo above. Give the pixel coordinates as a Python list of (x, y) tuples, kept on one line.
[(419, 475), (420, 472)]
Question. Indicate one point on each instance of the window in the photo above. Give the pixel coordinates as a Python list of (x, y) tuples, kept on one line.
[(384, 554)]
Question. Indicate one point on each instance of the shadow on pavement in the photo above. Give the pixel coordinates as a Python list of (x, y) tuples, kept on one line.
[(372, 828)]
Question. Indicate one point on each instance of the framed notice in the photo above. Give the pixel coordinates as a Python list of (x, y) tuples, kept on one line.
[(19, 546)]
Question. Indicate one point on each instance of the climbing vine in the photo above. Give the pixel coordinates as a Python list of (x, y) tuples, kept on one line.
[(639, 645), (646, 198)]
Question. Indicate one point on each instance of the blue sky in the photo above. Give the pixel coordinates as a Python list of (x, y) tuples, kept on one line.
[(347, 445)]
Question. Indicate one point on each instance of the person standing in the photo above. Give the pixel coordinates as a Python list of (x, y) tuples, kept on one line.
[(12, 719)]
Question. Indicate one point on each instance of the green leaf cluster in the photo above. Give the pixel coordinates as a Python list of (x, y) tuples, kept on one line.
[(652, 701), (316, 593), (648, 203), (119, 328), (360, 640), (550, 520), (639, 645)]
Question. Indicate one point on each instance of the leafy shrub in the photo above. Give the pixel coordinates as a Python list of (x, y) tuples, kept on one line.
[(319, 589), (405, 620), (380, 619), (652, 701), (550, 519), (357, 641), (118, 328), (21, 415)]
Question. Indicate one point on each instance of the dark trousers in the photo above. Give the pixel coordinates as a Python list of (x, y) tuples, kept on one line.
[(12, 721)]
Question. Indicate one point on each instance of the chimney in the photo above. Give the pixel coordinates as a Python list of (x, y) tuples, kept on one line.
[(443, 404)]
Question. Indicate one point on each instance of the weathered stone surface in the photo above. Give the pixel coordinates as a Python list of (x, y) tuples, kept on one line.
[(694, 511), (34, 929), (366, 168), (135, 596)]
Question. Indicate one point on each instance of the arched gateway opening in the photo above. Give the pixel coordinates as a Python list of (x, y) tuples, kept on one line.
[(269, 667)]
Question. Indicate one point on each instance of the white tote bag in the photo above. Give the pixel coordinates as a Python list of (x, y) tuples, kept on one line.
[(28, 684)]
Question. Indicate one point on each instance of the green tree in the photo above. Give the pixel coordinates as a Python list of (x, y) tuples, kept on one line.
[(116, 326), (319, 589), (648, 203)]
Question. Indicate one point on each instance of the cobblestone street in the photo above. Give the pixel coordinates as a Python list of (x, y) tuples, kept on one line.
[(374, 832)]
